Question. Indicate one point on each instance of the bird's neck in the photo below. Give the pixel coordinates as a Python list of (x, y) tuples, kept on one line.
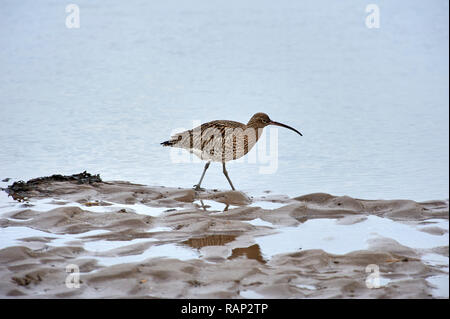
[(258, 130)]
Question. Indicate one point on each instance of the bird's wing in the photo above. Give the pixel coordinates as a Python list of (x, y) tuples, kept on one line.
[(204, 135)]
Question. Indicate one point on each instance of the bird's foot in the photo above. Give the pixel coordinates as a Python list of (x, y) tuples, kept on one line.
[(198, 188)]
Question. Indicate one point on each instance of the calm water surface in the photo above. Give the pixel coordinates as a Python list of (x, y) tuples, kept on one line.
[(372, 103)]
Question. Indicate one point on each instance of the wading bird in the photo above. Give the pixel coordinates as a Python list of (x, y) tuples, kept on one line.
[(222, 141)]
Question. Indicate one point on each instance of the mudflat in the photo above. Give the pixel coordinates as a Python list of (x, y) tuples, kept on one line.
[(80, 237)]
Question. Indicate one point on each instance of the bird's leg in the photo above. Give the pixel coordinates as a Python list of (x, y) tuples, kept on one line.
[(197, 187), (226, 175), (203, 205)]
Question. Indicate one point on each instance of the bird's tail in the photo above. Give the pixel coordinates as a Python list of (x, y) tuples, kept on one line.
[(169, 143), (174, 140)]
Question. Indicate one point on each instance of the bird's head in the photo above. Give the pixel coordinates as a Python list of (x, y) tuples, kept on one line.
[(261, 120)]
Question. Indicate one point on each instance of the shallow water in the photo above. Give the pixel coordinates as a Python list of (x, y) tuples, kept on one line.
[(441, 286), (156, 251), (372, 103), (328, 235)]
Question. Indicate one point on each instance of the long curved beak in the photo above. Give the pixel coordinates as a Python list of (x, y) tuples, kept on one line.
[(286, 126)]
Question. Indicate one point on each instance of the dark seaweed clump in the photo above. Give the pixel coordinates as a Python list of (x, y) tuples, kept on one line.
[(20, 189)]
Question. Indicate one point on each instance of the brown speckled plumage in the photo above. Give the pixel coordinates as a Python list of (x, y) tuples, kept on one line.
[(222, 141)]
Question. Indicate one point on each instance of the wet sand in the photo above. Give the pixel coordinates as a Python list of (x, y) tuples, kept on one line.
[(133, 241)]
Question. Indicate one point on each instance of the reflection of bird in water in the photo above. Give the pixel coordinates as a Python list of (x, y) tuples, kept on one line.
[(251, 252), (205, 207), (222, 141), (211, 240)]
